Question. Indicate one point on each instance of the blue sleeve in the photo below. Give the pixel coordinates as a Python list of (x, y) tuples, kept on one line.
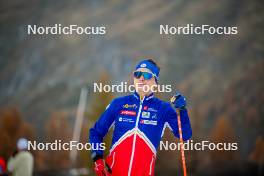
[(101, 127), (171, 118)]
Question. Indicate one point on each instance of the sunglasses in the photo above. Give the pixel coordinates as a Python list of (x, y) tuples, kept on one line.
[(146, 75)]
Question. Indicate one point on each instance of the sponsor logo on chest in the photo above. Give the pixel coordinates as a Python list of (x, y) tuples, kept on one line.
[(145, 114), (126, 112), (146, 108), (123, 119), (129, 106), (148, 122)]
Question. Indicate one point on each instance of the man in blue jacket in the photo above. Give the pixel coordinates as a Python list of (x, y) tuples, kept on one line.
[(139, 121)]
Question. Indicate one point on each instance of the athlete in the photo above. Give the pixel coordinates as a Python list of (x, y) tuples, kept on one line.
[(139, 121), (21, 163)]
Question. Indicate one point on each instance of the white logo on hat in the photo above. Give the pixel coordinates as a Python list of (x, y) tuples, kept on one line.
[(143, 65)]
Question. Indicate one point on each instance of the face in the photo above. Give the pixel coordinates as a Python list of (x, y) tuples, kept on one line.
[(139, 83)]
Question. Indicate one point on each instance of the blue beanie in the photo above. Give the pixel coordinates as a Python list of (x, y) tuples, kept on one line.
[(147, 64)]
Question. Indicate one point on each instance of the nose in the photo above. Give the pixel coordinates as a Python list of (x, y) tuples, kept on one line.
[(141, 78)]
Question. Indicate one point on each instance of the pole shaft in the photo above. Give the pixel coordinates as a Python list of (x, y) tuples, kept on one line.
[(181, 143)]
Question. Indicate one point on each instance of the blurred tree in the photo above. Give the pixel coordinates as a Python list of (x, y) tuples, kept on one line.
[(257, 155), (223, 132), (57, 128), (100, 100), (11, 121), (12, 127)]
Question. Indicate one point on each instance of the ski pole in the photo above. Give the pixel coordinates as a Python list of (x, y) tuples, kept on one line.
[(181, 138)]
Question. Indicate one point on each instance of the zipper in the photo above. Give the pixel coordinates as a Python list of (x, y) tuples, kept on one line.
[(134, 138), (139, 112)]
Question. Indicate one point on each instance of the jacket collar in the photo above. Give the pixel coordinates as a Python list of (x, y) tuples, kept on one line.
[(150, 96)]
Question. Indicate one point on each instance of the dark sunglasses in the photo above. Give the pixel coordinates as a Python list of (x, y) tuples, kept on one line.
[(146, 75)]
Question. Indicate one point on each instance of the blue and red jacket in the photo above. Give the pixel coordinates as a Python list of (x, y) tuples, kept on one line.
[(138, 128)]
